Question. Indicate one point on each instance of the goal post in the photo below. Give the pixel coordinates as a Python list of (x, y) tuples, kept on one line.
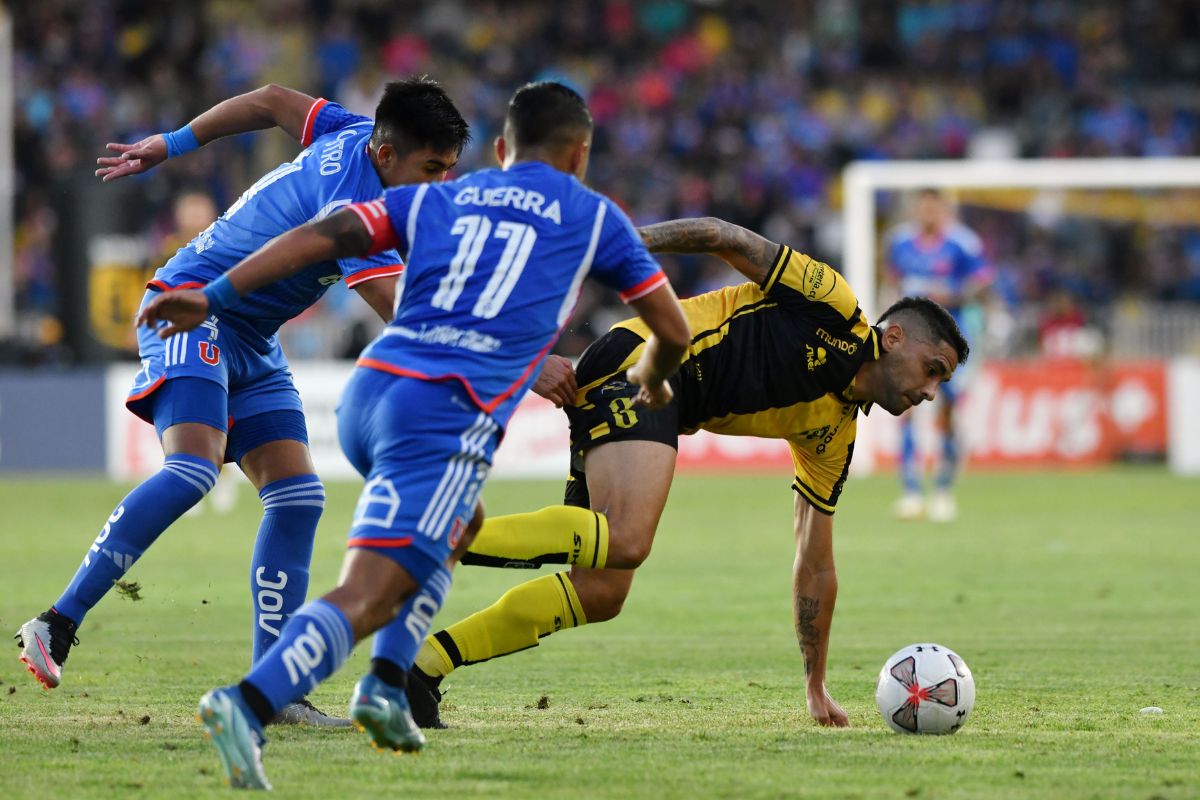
[(7, 178), (863, 181)]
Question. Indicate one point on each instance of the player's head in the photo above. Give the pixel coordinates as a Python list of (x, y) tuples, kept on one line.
[(418, 133), (932, 210), (921, 347), (549, 122)]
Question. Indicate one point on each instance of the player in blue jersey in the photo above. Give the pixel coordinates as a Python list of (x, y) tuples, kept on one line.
[(225, 393), (496, 261), (935, 256)]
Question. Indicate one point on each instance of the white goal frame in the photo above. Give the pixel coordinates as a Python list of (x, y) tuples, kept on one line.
[(7, 179), (860, 255), (862, 179)]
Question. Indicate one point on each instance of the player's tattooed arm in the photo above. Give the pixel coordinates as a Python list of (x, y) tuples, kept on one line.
[(806, 632), (746, 251), (814, 593)]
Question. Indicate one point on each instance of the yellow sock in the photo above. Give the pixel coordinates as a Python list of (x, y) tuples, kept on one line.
[(554, 535), (515, 622)]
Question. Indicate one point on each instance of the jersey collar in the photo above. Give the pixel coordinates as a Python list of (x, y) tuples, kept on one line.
[(870, 353)]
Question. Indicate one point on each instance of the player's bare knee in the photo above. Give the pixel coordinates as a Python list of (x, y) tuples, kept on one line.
[(602, 593), (627, 548), (605, 605)]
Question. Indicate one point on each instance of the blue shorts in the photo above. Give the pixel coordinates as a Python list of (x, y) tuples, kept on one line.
[(240, 383), (425, 450)]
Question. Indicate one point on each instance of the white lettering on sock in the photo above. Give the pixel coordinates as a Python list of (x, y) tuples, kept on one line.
[(420, 619), (268, 601), (304, 654), (104, 534)]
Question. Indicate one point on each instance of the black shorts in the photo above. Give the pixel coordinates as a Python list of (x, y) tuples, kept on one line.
[(607, 413)]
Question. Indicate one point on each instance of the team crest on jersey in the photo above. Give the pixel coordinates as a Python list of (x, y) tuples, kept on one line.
[(816, 357), (210, 353)]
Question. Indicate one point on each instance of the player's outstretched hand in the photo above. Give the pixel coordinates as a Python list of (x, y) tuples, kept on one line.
[(825, 710), (132, 158), (182, 310), (557, 381)]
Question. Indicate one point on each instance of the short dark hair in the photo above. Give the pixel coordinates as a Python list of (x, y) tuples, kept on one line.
[(547, 113), (933, 323), (417, 113)]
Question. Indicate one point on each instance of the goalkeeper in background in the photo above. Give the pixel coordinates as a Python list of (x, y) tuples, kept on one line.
[(938, 257)]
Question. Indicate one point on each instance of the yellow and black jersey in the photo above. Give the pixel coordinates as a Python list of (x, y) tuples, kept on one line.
[(771, 360)]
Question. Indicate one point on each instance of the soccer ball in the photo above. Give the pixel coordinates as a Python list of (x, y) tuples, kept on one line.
[(925, 688)]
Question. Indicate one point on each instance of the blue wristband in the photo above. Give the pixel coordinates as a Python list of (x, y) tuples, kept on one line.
[(221, 295), (181, 141)]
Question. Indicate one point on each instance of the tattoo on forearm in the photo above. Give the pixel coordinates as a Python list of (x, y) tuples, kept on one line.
[(347, 232), (684, 235), (709, 235), (807, 609)]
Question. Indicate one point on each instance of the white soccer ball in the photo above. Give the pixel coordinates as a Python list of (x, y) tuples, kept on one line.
[(925, 688)]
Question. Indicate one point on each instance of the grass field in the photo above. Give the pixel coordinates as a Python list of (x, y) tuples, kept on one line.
[(1075, 598)]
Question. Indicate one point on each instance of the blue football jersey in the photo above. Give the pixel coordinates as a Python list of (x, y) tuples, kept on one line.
[(332, 171), (496, 261), (936, 266)]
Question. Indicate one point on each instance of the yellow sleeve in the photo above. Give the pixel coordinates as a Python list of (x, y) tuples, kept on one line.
[(821, 466), (817, 289)]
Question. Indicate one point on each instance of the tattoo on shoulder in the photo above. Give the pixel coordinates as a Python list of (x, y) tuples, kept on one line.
[(807, 609)]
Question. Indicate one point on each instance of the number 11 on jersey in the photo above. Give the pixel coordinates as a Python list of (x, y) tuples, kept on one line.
[(474, 230)]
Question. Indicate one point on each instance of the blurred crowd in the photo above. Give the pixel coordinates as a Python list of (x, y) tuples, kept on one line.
[(742, 109)]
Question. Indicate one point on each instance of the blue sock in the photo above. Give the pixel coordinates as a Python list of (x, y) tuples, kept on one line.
[(909, 471), (279, 569), (399, 640), (311, 647), (949, 460), (138, 520)]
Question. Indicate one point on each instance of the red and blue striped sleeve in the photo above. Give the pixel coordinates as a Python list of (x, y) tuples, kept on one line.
[(382, 260), (324, 117)]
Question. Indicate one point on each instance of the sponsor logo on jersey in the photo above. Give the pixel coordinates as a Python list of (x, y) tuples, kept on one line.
[(329, 280), (813, 282), (816, 357), (514, 197), (849, 348), (448, 335), (616, 388)]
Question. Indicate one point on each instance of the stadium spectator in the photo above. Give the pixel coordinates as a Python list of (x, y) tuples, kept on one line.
[(746, 110)]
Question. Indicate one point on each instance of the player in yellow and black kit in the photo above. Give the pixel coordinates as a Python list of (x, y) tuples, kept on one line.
[(787, 356), (770, 361)]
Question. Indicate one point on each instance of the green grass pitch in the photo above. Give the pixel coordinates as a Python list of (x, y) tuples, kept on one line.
[(1075, 599)]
